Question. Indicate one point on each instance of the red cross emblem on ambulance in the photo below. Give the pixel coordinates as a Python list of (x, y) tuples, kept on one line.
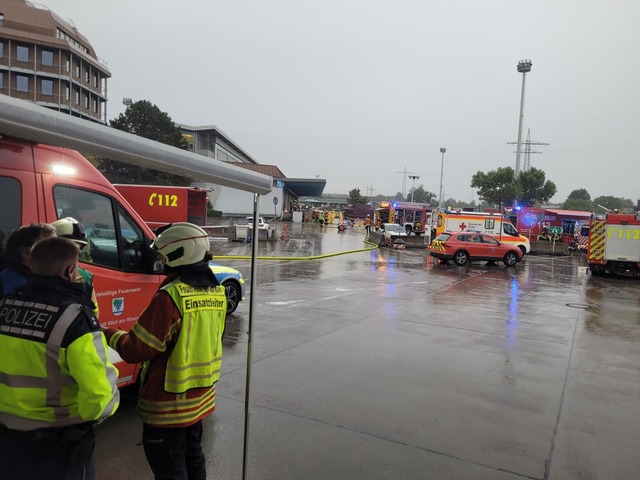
[(463, 226)]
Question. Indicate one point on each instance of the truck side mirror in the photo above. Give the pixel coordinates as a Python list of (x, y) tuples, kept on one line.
[(584, 231)]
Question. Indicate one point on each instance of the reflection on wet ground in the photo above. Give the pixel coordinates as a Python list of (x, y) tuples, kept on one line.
[(384, 364)]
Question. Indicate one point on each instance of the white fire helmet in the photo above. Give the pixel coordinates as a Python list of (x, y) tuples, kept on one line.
[(182, 244), (70, 228)]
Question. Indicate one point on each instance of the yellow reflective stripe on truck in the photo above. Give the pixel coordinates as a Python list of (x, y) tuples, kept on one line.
[(597, 239)]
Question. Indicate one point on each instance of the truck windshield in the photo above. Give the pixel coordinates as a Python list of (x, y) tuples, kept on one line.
[(509, 229)]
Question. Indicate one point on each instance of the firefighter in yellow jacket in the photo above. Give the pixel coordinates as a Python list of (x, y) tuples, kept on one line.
[(56, 382), (179, 337)]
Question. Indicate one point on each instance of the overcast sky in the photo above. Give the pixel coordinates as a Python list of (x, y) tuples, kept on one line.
[(357, 91)]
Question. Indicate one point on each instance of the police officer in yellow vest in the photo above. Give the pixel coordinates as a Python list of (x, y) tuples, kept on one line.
[(56, 382), (179, 337)]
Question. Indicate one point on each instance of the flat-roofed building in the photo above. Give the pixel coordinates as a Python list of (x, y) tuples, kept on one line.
[(210, 141), (45, 60)]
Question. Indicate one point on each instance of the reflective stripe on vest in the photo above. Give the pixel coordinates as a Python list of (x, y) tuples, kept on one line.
[(54, 380), (197, 355)]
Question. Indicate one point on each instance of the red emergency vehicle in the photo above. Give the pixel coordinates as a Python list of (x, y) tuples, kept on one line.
[(159, 205), (545, 224), (414, 217)]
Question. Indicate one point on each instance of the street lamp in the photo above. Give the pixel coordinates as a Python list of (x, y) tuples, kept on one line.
[(413, 183), (442, 150), (524, 67)]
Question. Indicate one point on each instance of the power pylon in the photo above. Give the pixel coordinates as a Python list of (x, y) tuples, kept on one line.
[(527, 150), (404, 181)]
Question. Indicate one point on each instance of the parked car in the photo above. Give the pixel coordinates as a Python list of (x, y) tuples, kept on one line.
[(394, 229), (392, 232), (464, 247), (262, 224), (233, 283)]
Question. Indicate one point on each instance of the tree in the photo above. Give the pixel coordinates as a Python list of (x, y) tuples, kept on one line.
[(497, 187), (501, 187), (578, 200), (533, 189), (398, 197), (356, 197), (146, 120), (421, 195), (453, 203), (609, 202)]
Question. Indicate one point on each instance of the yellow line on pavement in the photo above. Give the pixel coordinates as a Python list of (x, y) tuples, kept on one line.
[(312, 257)]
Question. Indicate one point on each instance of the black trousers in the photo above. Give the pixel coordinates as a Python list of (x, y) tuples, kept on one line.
[(175, 453), (48, 454)]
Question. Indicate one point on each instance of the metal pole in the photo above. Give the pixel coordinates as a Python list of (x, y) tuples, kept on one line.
[(442, 150), (252, 296), (413, 184), (524, 66)]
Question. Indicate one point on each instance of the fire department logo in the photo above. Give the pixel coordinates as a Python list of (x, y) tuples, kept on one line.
[(117, 306)]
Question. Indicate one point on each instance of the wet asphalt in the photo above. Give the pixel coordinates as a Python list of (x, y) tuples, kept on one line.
[(384, 364)]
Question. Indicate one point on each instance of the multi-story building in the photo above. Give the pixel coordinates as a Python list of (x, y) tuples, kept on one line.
[(44, 59)]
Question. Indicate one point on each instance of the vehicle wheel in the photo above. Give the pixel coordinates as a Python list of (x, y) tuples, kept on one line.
[(522, 249), (460, 257), (510, 259), (234, 295)]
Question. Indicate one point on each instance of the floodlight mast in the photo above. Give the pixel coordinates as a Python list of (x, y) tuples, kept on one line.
[(524, 67), (413, 184), (442, 151)]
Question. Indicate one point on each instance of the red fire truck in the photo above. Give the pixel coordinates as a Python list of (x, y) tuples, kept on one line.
[(614, 244), (540, 224), (159, 205)]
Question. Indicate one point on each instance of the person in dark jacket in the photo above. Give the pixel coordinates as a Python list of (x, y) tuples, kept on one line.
[(16, 255), (57, 381)]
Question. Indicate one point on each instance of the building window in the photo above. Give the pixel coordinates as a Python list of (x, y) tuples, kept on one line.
[(86, 102), (77, 97), (95, 105), (1, 80), (68, 65), (67, 95), (47, 58), (22, 53), (47, 87), (86, 76), (78, 70), (22, 83), (1, 19), (1, 49)]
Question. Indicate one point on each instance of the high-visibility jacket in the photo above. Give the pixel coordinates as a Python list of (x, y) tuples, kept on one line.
[(197, 355), (54, 370)]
